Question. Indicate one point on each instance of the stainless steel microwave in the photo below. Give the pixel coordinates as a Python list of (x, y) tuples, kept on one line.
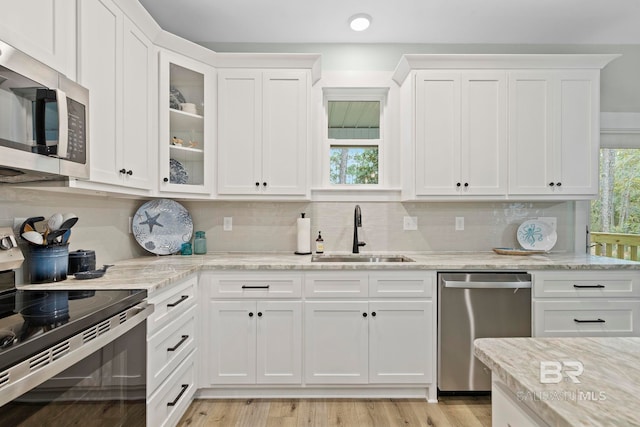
[(44, 121)]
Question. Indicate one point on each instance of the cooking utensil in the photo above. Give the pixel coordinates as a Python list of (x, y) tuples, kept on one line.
[(52, 236), (33, 237), (92, 274), (29, 224), (54, 222), (68, 220)]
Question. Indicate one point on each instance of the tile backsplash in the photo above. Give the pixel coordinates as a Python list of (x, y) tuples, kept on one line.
[(267, 226), (271, 226)]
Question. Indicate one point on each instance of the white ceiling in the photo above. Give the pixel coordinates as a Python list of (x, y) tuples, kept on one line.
[(402, 21)]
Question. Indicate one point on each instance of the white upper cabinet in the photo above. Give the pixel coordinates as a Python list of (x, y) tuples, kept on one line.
[(44, 29), (554, 132), (116, 64), (263, 132), (187, 111), (496, 127), (460, 128)]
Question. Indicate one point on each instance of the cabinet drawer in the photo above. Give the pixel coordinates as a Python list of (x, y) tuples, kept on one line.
[(171, 400), (586, 284), (401, 284), (169, 346), (336, 285), (256, 286), (172, 303), (586, 318)]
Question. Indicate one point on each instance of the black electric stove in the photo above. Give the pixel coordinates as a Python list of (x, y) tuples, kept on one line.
[(31, 321)]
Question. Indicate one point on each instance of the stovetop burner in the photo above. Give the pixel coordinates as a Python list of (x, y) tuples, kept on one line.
[(31, 321)]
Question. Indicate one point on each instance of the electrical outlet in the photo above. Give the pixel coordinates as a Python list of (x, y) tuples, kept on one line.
[(17, 223), (459, 223), (228, 223), (410, 223)]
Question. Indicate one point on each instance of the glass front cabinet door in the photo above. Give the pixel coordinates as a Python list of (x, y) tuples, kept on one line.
[(187, 112)]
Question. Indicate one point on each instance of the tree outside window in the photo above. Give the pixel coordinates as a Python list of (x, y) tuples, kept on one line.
[(618, 208)]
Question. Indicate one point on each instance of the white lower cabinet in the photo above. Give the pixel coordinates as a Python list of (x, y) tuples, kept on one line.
[(586, 303), (255, 342), (336, 342), (172, 331), (508, 411), (360, 342)]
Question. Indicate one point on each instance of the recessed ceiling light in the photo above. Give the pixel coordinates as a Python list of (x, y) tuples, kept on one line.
[(360, 22)]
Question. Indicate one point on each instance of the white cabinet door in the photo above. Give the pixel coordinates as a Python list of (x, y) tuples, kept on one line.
[(484, 133), (553, 132), (284, 142), (100, 70), (186, 136), (336, 344), (578, 131), (262, 132), (232, 342), (239, 132), (137, 152), (117, 66), (437, 132), (43, 29), (279, 352), (461, 133), (400, 342)]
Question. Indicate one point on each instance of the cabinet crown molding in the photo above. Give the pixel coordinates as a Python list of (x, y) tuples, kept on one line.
[(310, 61), (498, 61)]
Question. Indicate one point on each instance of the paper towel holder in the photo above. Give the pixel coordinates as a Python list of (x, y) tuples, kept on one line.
[(298, 252)]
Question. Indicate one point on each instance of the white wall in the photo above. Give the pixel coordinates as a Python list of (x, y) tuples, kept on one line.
[(619, 84)]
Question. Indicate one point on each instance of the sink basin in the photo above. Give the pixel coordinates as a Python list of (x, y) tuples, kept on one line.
[(360, 258)]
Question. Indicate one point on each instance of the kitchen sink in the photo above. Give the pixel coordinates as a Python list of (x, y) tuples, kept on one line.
[(360, 258)]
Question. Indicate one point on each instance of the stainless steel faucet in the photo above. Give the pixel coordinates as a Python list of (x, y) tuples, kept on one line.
[(357, 222)]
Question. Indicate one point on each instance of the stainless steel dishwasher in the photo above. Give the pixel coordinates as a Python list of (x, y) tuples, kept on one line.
[(477, 305)]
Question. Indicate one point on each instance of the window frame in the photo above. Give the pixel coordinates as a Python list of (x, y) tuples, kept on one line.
[(379, 94)]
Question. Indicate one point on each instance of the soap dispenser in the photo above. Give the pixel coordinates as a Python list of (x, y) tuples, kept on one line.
[(319, 244)]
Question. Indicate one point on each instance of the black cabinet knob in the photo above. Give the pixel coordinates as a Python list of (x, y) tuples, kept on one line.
[(458, 184), (466, 184), (257, 184), (259, 314), (558, 184), (364, 314), (166, 179), (551, 184), (373, 313), (250, 314), (123, 170), (129, 172), (264, 184)]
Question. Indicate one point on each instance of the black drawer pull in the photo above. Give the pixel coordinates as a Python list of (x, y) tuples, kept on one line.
[(589, 321), (255, 286), (175, 401), (588, 286), (182, 298), (175, 347)]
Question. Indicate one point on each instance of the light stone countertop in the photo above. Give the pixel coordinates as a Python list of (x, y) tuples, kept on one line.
[(609, 390), (156, 272)]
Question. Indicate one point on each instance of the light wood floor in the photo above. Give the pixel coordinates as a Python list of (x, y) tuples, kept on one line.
[(449, 411)]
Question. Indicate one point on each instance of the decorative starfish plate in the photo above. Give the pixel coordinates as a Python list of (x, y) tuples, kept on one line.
[(161, 226)]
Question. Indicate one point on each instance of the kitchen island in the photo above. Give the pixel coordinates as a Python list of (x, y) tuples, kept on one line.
[(563, 381)]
